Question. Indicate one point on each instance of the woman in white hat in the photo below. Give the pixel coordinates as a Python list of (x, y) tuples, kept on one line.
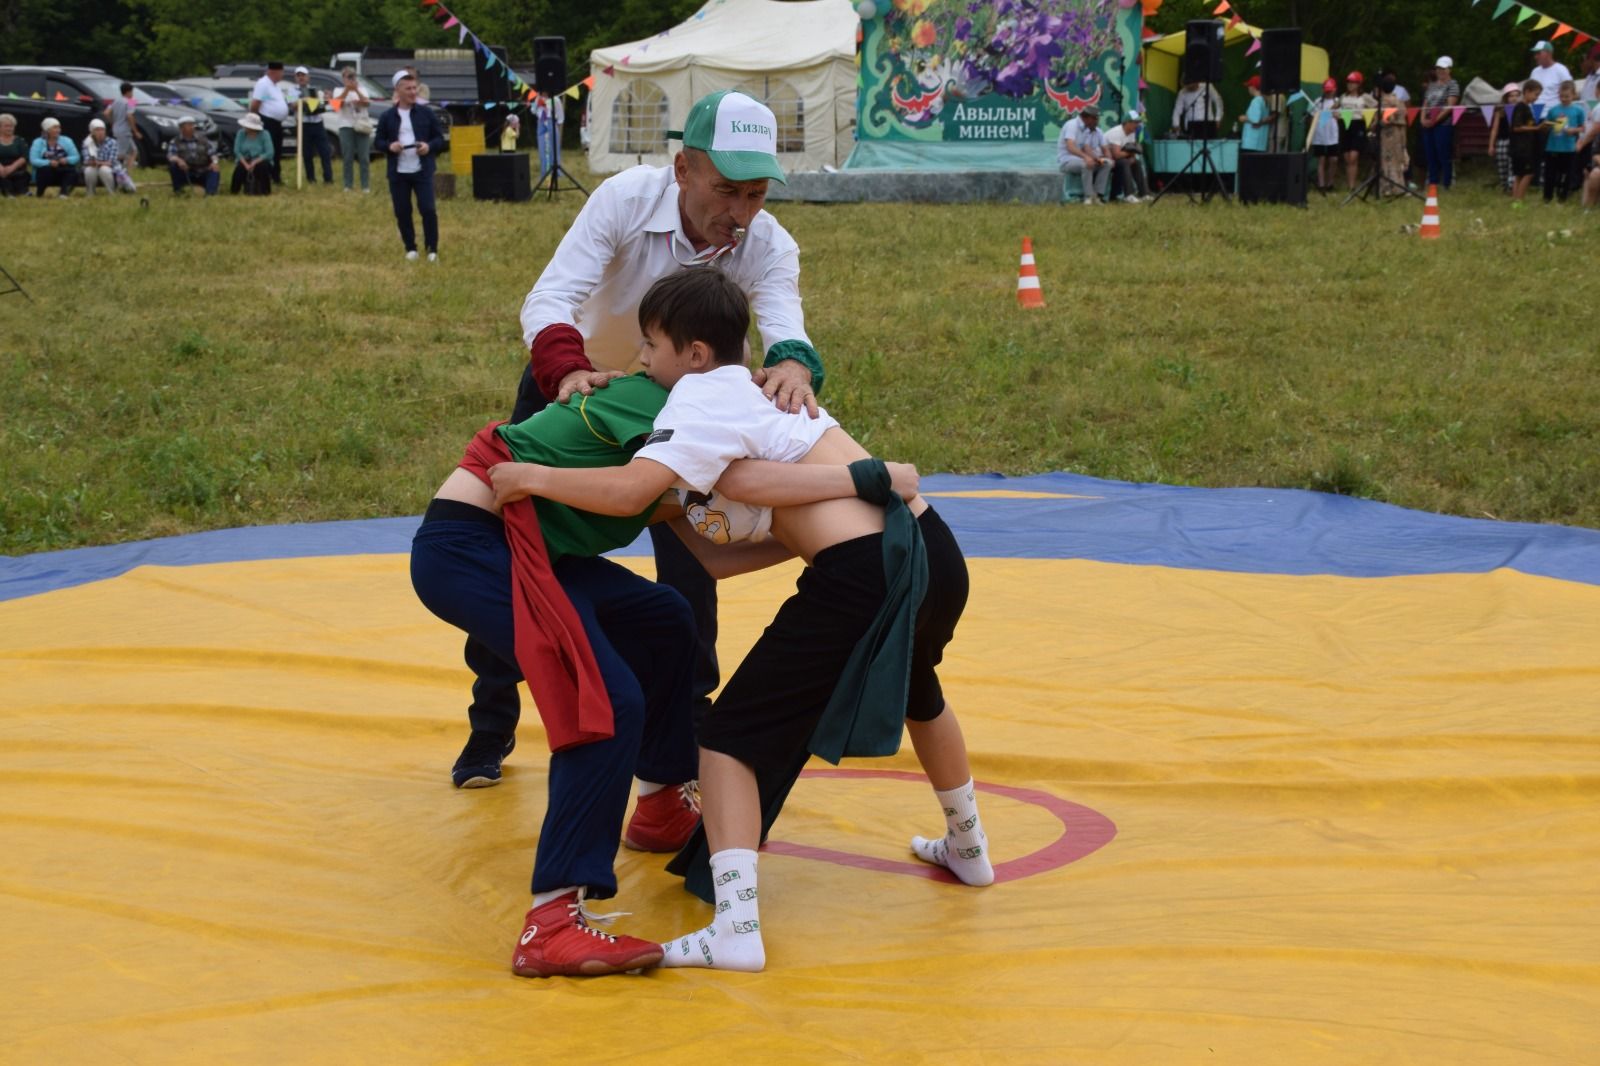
[(1438, 122), (102, 161), (54, 159), (252, 150)]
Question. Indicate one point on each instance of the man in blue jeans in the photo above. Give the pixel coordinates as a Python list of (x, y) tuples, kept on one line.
[(411, 137)]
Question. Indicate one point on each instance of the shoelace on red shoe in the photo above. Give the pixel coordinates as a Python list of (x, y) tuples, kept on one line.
[(690, 791), (582, 916)]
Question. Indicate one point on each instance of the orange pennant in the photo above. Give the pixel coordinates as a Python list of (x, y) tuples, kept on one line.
[(1563, 28), (60, 95), (1222, 7)]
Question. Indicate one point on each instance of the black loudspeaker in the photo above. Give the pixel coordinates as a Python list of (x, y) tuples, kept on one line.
[(550, 65), (1272, 178), (501, 177), (1280, 60), (1202, 51), (493, 87)]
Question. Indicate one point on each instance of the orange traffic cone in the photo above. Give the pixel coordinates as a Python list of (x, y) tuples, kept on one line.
[(1430, 214), (1028, 292)]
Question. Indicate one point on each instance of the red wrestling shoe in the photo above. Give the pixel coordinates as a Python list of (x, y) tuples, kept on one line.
[(558, 941), (665, 819)]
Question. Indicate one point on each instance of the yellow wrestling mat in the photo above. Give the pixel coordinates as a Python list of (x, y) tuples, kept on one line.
[(1239, 818)]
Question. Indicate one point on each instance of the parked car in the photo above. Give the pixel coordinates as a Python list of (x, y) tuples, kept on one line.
[(75, 95), (235, 89), (224, 111), (327, 81)]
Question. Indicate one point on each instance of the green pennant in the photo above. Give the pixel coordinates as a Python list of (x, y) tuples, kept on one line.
[(1504, 6), (1527, 13)]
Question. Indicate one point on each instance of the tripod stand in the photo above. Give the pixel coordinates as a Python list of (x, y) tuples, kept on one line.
[(16, 286), (1200, 163), (1373, 187), (555, 170)]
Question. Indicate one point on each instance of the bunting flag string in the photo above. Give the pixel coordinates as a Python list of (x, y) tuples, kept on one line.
[(1542, 20), (448, 20)]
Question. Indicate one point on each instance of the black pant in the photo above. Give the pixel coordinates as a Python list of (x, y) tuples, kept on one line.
[(274, 129), (207, 178), (63, 178), (313, 146), (257, 182), (401, 186), (676, 568), (15, 183), (1560, 174)]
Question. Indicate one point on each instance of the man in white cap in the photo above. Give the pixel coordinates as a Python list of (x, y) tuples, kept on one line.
[(410, 135), (1441, 94), (580, 322), (313, 141), (1548, 73), (1122, 145), (267, 100)]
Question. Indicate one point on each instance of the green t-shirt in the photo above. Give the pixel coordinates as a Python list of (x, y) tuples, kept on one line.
[(602, 429)]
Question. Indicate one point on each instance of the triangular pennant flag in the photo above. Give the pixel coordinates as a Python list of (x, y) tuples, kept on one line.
[(1527, 13), (1255, 46), (588, 83), (1221, 8), (572, 91), (488, 103), (1411, 114), (1388, 113), (1488, 113), (13, 96), (1234, 21), (429, 3), (1503, 7), (1455, 114), (1561, 29), (336, 103), (609, 71), (1544, 20), (451, 21), (1508, 111), (1538, 112), (1580, 40), (488, 59), (36, 96), (462, 36), (60, 95), (1345, 116), (1367, 115), (626, 58)]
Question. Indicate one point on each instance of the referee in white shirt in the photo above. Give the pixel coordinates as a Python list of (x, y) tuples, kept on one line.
[(581, 324)]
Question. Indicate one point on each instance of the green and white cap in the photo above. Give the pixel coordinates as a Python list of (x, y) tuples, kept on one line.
[(739, 133)]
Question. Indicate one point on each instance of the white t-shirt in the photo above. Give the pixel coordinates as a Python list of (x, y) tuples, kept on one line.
[(628, 235), (1118, 137), (273, 105), (1549, 79), (410, 162), (713, 419)]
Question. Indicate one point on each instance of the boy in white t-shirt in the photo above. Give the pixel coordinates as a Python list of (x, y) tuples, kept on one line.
[(755, 739)]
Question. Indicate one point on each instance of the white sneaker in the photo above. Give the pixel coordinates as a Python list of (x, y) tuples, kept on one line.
[(411, 256), (433, 257)]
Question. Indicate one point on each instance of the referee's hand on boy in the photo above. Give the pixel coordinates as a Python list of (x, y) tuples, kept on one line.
[(788, 385)]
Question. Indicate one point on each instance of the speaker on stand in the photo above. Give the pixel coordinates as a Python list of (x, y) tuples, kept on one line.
[(1202, 63), (550, 79)]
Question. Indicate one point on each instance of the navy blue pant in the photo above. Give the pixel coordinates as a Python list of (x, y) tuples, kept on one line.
[(207, 179), (1438, 144), (642, 634), (314, 145), (401, 186), (676, 567)]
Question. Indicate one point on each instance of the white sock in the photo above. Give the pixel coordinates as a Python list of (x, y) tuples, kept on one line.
[(647, 787), (541, 898), (964, 849), (733, 939)]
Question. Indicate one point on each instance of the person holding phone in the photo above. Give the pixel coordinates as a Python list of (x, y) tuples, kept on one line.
[(411, 136)]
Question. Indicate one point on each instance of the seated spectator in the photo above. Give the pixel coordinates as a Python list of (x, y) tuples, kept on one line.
[(1122, 145), (252, 151), (13, 159), (191, 161), (102, 162), (54, 159), (1082, 151)]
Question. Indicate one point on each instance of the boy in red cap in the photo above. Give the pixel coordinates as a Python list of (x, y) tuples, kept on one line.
[(1256, 119)]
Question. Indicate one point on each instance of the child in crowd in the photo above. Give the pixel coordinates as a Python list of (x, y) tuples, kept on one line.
[(1566, 121), (1353, 106), (1524, 141), (1256, 118), (1323, 138), (804, 687), (606, 652), (1500, 134)]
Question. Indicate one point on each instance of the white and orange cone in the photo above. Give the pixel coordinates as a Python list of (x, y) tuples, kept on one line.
[(1430, 215), (1028, 292)]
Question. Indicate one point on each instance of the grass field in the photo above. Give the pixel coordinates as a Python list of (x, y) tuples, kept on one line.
[(203, 364)]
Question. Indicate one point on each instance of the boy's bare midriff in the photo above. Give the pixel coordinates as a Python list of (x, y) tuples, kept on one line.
[(463, 485), (809, 529)]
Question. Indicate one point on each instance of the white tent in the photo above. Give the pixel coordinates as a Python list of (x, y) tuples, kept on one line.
[(797, 57)]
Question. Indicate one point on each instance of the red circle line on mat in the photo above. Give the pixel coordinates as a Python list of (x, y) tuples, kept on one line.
[(1083, 832)]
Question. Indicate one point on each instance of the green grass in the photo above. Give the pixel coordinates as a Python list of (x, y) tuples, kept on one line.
[(207, 364)]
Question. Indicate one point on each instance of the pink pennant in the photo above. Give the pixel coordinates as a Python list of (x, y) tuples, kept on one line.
[(451, 21), (1255, 46), (1455, 114)]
